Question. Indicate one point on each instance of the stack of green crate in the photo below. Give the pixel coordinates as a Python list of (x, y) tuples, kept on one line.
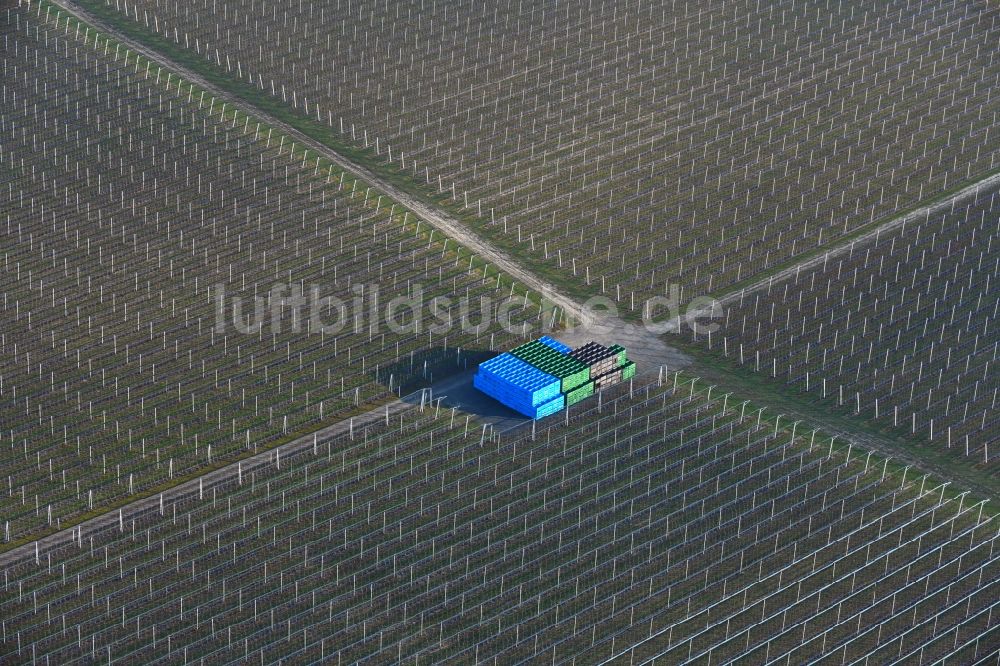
[(541, 377), (581, 392), (624, 369), (569, 371)]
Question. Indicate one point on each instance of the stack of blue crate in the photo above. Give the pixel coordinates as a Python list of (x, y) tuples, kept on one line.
[(519, 385), (555, 344)]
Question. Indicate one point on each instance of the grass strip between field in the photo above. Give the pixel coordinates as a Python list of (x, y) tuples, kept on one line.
[(780, 398), (849, 238), (180, 479), (779, 424)]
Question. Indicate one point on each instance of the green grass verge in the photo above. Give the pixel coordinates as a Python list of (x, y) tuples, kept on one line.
[(180, 479), (846, 238), (779, 398), (783, 426)]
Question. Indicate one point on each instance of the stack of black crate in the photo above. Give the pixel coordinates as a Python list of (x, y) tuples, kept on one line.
[(603, 361)]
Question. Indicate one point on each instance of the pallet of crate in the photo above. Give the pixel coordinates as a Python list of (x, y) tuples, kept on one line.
[(608, 365), (540, 377), (519, 385)]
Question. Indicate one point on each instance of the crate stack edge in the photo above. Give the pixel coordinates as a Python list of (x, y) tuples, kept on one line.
[(541, 377)]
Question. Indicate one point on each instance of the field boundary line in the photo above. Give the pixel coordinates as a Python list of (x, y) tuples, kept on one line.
[(143, 506), (841, 247)]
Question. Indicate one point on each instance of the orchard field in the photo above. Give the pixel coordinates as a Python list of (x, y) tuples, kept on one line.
[(902, 330), (657, 524), (633, 146), (174, 390), (136, 209)]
